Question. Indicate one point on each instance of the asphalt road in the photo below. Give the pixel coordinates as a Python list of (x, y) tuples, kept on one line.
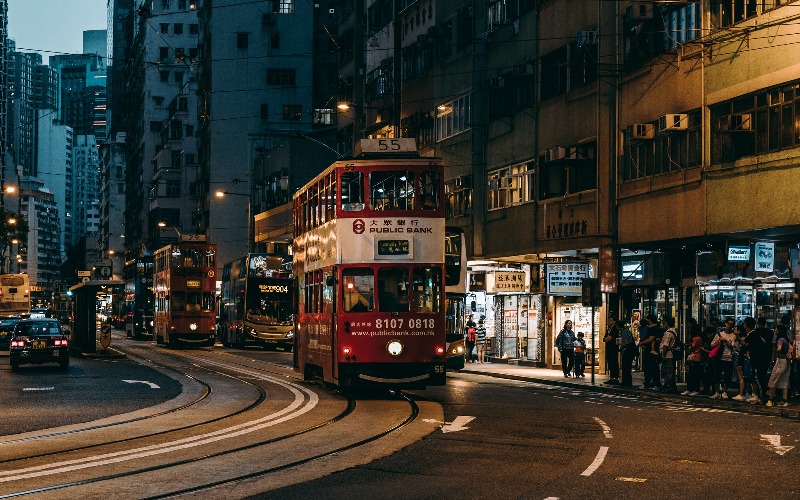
[(477, 437)]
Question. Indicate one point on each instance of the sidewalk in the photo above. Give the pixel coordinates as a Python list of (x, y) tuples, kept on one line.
[(556, 377)]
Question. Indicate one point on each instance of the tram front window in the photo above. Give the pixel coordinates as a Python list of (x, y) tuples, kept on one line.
[(358, 289), (393, 289), (427, 289), (391, 190)]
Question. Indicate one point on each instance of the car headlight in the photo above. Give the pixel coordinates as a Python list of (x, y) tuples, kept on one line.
[(290, 335), (459, 350)]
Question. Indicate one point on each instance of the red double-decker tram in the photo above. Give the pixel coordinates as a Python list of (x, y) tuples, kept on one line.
[(184, 285), (369, 269)]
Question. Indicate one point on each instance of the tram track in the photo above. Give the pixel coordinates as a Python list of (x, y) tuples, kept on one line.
[(109, 481)]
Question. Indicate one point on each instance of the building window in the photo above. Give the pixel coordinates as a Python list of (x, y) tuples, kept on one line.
[(459, 196), (179, 76), (292, 111), (758, 123), (512, 185), (265, 111), (452, 117), (582, 65), (323, 116), (164, 27), (501, 12), (173, 188), (163, 75), (163, 54), (165, 4), (194, 29), (175, 130), (275, 41), (175, 160), (177, 29), (281, 77), (566, 170), (656, 153), (554, 66), (285, 6), (242, 40), (729, 12)]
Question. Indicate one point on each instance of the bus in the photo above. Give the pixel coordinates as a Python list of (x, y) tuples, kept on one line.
[(455, 278), (15, 295), (184, 285), (368, 254), (138, 299), (256, 306)]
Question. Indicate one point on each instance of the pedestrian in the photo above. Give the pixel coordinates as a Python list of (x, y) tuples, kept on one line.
[(650, 352), (780, 371), (709, 362), (694, 360), (759, 345), (667, 355), (627, 345), (565, 343), (612, 340), (724, 369), (580, 355), (744, 371), (480, 342), (470, 335)]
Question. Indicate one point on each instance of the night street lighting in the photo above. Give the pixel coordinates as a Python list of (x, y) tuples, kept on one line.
[(221, 194)]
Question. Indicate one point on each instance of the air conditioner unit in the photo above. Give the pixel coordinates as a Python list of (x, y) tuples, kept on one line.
[(554, 154), (642, 131), (673, 122), (587, 38), (639, 11), (267, 19), (739, 123)]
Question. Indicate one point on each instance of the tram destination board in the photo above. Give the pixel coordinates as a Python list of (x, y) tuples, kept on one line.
[(393, 247)]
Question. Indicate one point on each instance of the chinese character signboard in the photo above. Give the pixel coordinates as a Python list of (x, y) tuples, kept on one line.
[(765, 257), (507, 281), (566, 279)]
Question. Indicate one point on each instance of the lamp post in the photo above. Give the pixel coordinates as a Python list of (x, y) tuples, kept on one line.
[(220, 194)]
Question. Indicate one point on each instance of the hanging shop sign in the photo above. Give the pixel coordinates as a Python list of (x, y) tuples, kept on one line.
[(566, 278), (738, 253), (506, 281), (765, 256)]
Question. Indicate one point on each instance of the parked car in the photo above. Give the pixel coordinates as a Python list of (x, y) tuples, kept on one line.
[(39, 340), (6, 331)]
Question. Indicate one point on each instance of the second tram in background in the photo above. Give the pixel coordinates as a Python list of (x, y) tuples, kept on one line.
[(138, 297), (256, 306), (369, 264), (184, 285)]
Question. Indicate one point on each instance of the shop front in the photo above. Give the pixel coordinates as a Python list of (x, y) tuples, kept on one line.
[(747, 280), (513, 315)]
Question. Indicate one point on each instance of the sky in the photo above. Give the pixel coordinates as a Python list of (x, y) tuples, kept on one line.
[(53, 27)]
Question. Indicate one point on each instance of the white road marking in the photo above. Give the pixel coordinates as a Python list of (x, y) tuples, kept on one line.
[(38, 388), (551, 498), (774, 441), (151, 384), (631, 479), (298, 407), (598, 461), (457, 424), (606, 428)]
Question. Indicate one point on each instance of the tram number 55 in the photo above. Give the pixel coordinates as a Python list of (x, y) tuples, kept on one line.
[(389, 144)]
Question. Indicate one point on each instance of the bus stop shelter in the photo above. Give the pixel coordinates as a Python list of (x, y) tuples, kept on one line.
[(84, 324)]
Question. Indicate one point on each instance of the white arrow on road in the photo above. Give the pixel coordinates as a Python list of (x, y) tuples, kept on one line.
[(152, 385), (456, 425), (774, 440)]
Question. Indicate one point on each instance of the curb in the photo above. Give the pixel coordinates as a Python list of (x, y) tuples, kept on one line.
[(792, 413)]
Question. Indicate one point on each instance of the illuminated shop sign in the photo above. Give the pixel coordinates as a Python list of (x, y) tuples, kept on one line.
[(738, 253), (633, 270), (765, 257)]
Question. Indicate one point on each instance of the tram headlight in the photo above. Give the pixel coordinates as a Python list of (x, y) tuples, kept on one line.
[(395, 348), (290, 335), (192, 326)]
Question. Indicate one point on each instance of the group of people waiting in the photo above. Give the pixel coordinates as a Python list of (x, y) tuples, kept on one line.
[(756, 360), (475, 339)]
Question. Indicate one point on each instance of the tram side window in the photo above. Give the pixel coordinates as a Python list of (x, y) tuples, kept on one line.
[(393, 289), (178, 301), (427, 289), (391, 190), (429, 190), (352, 191), (358, 288)]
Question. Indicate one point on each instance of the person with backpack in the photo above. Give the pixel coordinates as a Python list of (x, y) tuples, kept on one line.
[(565, 343), (668, 355)]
